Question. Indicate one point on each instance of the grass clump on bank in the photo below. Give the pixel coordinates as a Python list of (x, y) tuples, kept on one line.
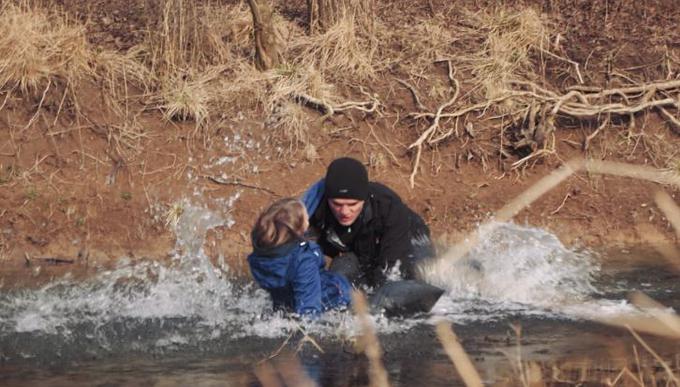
[(42, 48), (49, 57)]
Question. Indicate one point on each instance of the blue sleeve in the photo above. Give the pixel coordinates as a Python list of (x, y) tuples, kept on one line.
[(312, 197), (307, 284)]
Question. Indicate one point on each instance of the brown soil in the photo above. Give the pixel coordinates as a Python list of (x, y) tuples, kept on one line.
[(66, 192)]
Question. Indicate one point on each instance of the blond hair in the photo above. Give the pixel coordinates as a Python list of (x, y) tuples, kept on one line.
[(282, 222)]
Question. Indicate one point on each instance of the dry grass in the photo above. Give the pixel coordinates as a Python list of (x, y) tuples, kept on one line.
[(42, 48), (189, 96), (119, 73), (418, 46), (185, 36), (190, 48), (276, 92), (50, 55), (291, 81), (345, 52), (508, 39)]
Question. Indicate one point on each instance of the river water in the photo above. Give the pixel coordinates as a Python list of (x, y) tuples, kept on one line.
[(188, 322)]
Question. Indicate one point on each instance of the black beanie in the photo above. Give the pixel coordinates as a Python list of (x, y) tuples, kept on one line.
[(346, 178)]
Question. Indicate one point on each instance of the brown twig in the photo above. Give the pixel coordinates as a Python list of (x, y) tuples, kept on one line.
[(564, 201), (414, 94), (277, 351), (590, 137), (221, 181), (434, 126), (675, 123), (573, 63), (387, 149), (329, 109)]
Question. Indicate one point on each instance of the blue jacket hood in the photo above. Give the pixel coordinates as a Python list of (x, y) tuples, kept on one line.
[(313, 196), (270, 267)]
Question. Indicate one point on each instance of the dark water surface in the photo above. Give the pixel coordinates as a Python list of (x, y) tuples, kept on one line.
[(188, 324)]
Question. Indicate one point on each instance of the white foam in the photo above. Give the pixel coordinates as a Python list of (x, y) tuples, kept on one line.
[(514, 270)]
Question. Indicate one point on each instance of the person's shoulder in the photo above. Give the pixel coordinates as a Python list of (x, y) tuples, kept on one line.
[(308, 249), (380, 191)]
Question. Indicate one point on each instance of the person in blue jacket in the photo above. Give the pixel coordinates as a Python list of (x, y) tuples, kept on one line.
[(291, 268)]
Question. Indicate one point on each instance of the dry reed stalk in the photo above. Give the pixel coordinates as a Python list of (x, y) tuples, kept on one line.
[(436, 270), (377, 373), (656, 356), (670, 209), (647, 324), (292, 372), (534, 375), (659, 320), (537, 190), (641, 172), (266, 374), (657, 310), (660, 244), (458, 356)]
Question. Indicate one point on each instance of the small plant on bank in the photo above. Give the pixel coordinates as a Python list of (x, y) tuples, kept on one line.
[(32, 194), (184, 97), (173, 214)]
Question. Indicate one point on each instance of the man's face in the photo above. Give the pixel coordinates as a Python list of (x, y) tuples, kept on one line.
[(346, 211)]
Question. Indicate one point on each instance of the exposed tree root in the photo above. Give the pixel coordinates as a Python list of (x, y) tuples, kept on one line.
[(329, 109), (427, 134), (543, 107)]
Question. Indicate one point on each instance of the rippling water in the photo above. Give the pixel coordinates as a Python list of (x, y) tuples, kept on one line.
[(190, 313)]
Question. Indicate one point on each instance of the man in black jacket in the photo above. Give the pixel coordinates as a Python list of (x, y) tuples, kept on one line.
[(364, 225)]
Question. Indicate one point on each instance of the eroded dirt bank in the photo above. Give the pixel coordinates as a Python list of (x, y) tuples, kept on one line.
[(83, 184)]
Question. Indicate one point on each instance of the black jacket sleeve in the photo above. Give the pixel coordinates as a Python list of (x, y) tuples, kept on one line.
[(395, 243)]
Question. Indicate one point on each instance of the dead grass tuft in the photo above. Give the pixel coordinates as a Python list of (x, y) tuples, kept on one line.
[(508, 38), (49, 52), (287, 117), (43, 47), (187, 96), (341, 53), (415, 47), (189, 47), (117, 72)]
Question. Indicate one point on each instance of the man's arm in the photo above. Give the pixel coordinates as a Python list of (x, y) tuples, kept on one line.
[(395, 244)]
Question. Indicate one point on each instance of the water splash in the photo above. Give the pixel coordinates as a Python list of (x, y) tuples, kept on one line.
[(189, 304), (149, 306), (513, 269)]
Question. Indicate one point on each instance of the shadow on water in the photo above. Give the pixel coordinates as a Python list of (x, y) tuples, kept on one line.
[(189, 323)]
